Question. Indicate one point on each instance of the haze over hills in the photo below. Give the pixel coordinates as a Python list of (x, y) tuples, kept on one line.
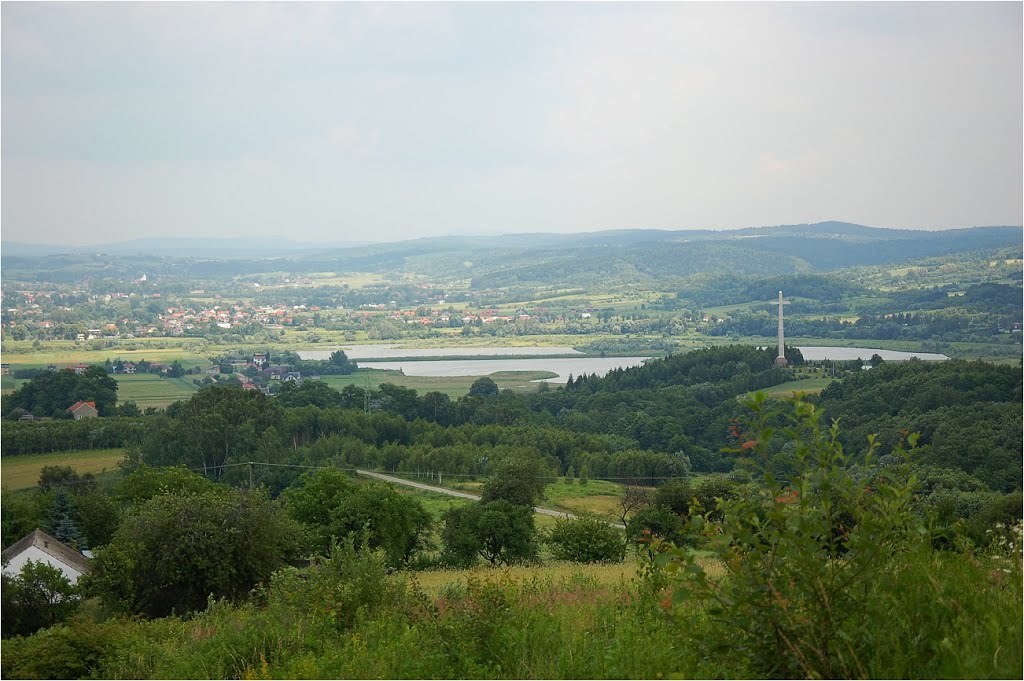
[(626, 256), (182, 247)]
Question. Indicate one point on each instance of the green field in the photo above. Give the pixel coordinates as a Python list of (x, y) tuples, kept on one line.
[(453, 386), (150, 390), (20, 472), (10, 384)]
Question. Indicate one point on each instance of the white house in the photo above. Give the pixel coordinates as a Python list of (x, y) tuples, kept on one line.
[(43, 548)]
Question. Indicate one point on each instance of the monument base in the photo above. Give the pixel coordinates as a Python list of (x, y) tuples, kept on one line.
[(781, 362)]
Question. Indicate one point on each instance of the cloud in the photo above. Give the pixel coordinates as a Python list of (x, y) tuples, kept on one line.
[(411, 118)]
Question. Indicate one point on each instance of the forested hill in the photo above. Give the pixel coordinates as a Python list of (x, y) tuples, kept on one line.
[(711, 365), (967, 413)]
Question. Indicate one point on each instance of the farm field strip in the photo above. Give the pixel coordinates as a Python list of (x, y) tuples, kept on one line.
[(150, 390), (21, 472)]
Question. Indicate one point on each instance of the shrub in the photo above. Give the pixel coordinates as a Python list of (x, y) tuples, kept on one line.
[(802, 559), (585, 540), (66, 651), (346, 584)]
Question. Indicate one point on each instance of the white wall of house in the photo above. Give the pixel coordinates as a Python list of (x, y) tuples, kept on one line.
[(35, 553)]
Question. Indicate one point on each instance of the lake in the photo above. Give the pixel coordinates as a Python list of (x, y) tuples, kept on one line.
[(818, 353), (484, 367), (384, 350)]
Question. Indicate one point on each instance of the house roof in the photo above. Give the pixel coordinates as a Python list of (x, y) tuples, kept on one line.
[(48, 544), (78, 405)]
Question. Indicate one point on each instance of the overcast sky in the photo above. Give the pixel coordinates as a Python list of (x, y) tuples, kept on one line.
[(327, 121)]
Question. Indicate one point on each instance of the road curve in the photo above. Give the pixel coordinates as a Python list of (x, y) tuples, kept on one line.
[(461, 495)]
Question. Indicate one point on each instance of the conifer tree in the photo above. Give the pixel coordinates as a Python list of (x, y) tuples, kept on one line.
[(62, 525)]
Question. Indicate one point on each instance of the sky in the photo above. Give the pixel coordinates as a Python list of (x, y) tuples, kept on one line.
[(386, 121)]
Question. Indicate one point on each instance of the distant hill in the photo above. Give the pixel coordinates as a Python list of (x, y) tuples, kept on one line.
[(612, 257)]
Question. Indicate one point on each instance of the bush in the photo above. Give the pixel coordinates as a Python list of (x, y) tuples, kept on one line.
[(803, 560), (66, 651), (585, 540), (342, 587)]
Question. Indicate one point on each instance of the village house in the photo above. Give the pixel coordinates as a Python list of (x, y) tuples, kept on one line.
[(83, 410), (42, 548)]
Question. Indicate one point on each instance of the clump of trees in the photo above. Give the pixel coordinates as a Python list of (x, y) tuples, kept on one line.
[(500, 528), (333, 507), (51, 393)]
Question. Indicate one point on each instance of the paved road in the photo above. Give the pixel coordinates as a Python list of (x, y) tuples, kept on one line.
[(461, 495)]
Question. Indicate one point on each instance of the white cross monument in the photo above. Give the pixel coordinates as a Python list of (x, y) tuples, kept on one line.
[(780, 361)]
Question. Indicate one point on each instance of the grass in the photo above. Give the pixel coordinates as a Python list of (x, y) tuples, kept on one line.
[(21, 472), (436, 504), (435, 582), (150, 390), (453, 386), (597, 497)]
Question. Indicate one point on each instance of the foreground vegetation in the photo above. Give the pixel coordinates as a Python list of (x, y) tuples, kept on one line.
[(829, 574)]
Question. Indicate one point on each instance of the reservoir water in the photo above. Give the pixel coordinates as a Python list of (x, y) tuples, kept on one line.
[(484, 367), (818, 353)]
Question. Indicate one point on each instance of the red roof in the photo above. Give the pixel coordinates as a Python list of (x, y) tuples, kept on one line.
[(78, 405)]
